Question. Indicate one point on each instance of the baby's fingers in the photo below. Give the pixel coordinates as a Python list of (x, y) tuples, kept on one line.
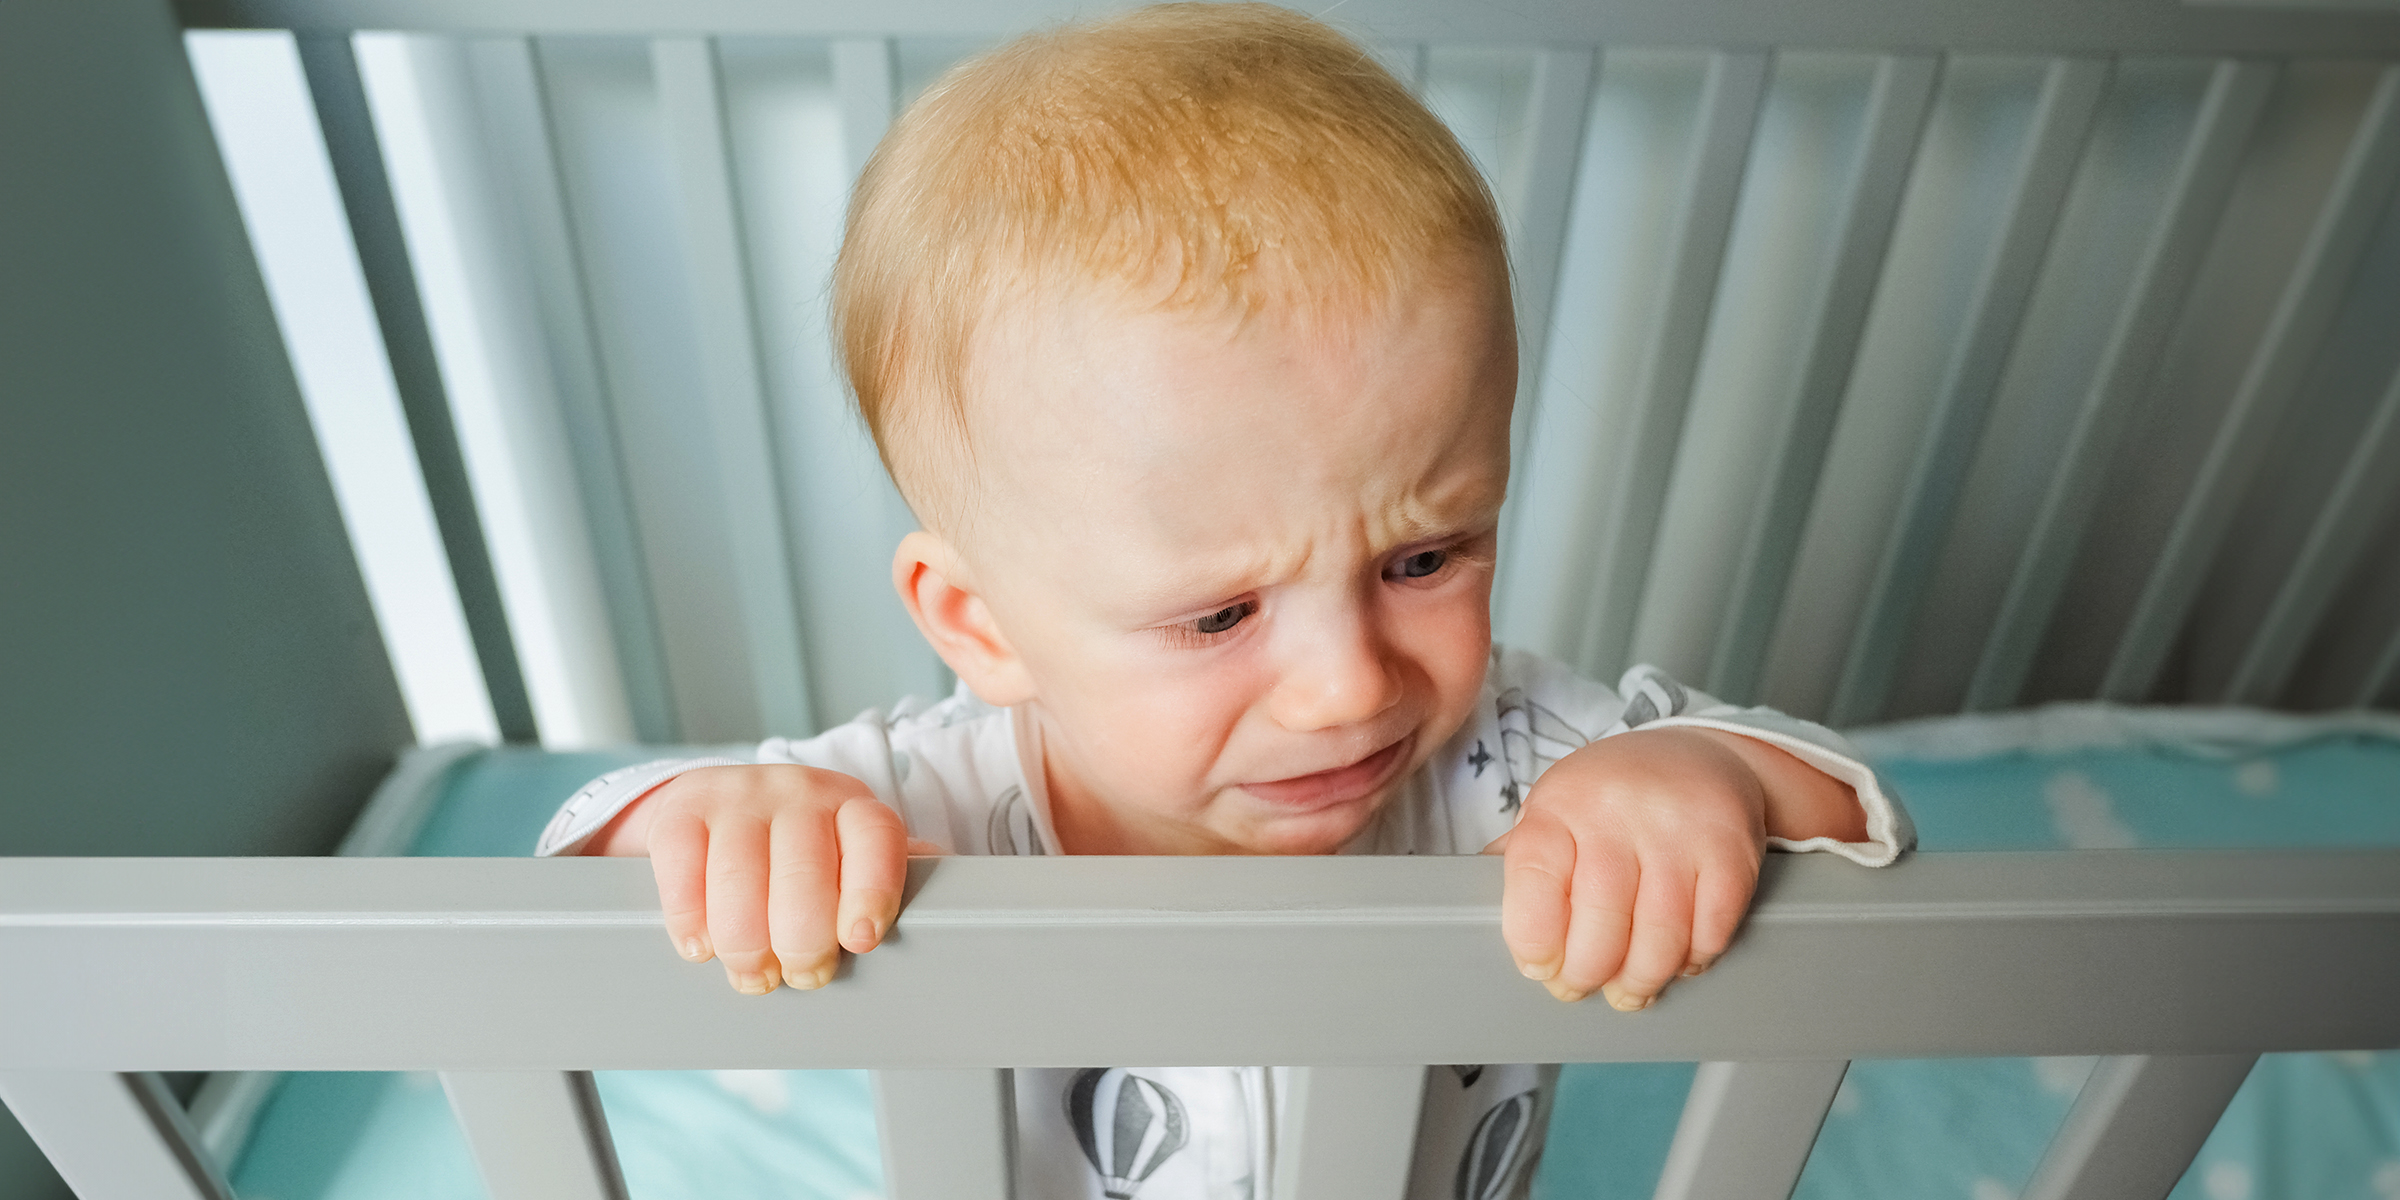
[(875, 848), (1602, 906), (1662, 938), (802, 892), (737, 902), (679, 860), (1533, 898)]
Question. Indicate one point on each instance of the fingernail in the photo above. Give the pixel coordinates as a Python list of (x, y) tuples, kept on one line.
[(862, 932), (1538, 971), (693, 950), (752, 983), (1626, 1002), (1699, 967), (807, 981)]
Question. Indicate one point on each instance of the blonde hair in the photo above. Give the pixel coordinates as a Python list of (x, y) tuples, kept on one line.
[(1195, 153)]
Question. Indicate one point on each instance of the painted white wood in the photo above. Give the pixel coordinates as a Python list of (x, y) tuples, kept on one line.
[(226, 1107), (2042, 26), (1900, 99), (691, 96), (2361, 499), (113, 1136), (2237, 93), (353, 147), (518, 127), (2136, 1126), (1347, 1133), (2311, 299), (536, 1135), (1562, 100), (1747, 1128), (947, 1134), (1176, 961), (1640, 470), (2071, 92)]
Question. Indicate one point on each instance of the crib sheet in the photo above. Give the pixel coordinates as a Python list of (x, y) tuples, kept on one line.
[(2088, 776)]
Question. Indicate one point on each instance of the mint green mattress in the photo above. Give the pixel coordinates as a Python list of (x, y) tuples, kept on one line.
[(2313, 1126)]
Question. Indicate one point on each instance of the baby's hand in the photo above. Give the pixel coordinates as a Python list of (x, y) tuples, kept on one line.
[(774, 869), (1636, 856)]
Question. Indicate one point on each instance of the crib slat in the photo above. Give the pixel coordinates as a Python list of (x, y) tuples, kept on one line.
[(1901, 98), (866, 77), (331, 64), (2306, 311), (2070, 99), (1747, 1129), (1562, 100), (2136, 1125), (691, 94), (537, 1135), (1636, 481), (2361, 498), (1347, 1132), (2382, 675), (113, 1136), (947, 1134), (516, 119), (2237, 93)]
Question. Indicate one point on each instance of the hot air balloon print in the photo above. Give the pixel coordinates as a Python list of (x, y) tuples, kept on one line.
[(1127, 1124), (1496, 1151), (1531, 738)]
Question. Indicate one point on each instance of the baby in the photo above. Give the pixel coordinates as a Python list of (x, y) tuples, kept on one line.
[(1187, 335)]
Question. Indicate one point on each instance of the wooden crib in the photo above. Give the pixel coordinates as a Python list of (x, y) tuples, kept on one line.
[(2178, 486)]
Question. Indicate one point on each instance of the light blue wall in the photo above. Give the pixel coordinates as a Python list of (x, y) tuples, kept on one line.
[(190, 663)]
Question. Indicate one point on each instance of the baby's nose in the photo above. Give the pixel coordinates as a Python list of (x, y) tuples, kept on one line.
[(1334, 680)]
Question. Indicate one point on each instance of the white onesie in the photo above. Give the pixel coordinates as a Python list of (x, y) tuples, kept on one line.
[(956, 773)]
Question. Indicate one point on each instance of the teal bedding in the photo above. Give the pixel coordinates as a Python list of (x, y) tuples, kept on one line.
[(2083, 776)]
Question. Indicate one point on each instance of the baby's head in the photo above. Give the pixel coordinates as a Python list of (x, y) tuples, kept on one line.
[(1187, 336)]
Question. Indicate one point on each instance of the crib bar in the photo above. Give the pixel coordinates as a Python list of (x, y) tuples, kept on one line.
[(537, 1135), (2305, 312), (493, 964), (113, 1136), (2042, 26), (947, 1134), (1901, 98), (2070, 99), (866, 76), (691, 94), (1562, 99), (331, 64), (2361, 498), (1747, 1129), (2136, 1126), (517, 122), (2203, 182), (2381, 687), (1636, 481), (1347, 1133)]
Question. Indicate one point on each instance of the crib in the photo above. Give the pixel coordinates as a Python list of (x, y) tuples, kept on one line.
[(2102, 404)]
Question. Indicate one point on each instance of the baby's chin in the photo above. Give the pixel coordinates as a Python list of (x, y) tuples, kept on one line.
[(1324, 831)]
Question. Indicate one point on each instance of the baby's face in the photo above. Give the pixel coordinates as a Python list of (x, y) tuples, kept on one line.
[(1245, 566)]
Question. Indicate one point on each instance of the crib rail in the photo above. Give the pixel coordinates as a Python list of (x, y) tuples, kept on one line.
[(514, 976)]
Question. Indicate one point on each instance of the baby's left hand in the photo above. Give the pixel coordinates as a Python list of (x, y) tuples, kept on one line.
[(1636, 856)]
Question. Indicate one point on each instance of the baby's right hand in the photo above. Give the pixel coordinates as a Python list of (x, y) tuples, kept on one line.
[(774, 869)]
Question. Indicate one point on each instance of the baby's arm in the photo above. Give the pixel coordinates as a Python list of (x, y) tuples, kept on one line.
[(774, 868), (1636, 855)]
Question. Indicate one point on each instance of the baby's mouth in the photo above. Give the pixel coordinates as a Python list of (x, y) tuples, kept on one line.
[(1325, 789)]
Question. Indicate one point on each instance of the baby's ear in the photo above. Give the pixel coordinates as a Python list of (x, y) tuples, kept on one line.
[(934, 583)]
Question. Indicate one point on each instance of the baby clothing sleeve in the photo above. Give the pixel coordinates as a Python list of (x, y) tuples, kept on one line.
[(1535, 711)]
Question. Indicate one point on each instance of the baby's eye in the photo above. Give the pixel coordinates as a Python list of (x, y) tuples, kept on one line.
[(1423, 563), (1224, 618)]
